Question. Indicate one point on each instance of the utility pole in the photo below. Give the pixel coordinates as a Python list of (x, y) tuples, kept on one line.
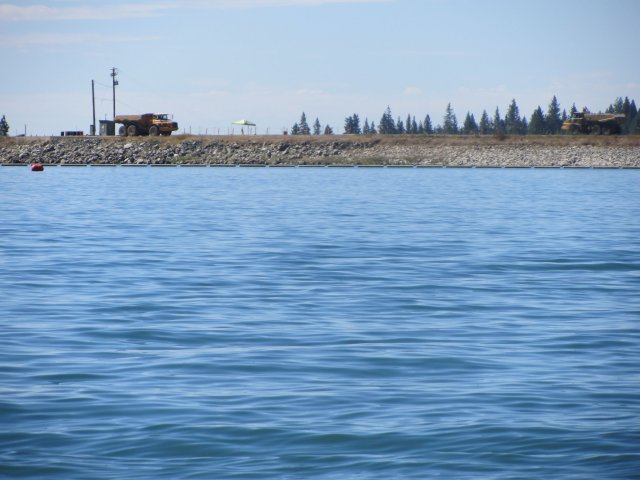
[(114, 73), (93, 104)]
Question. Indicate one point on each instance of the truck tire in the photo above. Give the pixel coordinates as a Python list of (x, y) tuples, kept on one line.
[(122, 131), (595, 129), (153, 131), (132, 130)]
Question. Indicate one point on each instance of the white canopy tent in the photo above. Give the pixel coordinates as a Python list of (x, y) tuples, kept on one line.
[(246, 123)]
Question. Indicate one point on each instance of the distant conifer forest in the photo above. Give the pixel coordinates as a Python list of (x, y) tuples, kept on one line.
[(512, 123)]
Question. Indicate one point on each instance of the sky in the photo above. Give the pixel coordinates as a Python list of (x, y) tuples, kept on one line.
[(211, 62)]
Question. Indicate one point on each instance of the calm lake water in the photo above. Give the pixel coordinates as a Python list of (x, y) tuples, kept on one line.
[(324, 323)]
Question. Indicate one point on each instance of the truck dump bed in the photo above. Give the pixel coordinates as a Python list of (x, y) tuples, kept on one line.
[(146, 117)]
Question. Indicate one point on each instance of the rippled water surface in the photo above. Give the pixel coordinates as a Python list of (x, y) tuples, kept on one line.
[(296, 323)]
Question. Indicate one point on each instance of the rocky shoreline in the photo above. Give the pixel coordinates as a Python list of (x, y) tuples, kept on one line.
[(586, 152)]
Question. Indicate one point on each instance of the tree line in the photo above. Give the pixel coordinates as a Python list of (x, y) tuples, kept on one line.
[(513, 123)]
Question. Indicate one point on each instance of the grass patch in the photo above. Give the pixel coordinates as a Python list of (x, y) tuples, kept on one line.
[(350, 142)]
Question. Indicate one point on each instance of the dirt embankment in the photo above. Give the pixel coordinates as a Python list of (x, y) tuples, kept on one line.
[(462, 151)]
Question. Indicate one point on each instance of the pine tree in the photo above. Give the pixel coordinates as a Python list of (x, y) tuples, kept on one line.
[(348, 126), (304, 126), (4, 127), (631, 117), (316, 127), (352, 125), (512, 120), (618, 106), (634, 128), (372, 128), (411, 127), (328, 130), (573, 110), (356, 124), (536, 125), (469, 127), (450, 122), (629, 110), (553, 119), (428, 127), (400, 126), (387, 125), (626, 106), (610, 109), (295, 130), (365, 127), (498, 123), (485, 123)]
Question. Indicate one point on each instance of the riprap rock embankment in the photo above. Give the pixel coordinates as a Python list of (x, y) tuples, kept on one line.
[(614, 152)]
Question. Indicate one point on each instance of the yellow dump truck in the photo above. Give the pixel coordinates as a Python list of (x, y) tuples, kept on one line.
[(153, 124), (594, 124)]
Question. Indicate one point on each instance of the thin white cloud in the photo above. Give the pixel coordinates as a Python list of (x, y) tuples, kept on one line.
[(305, 91), (412, 91), (16, 13), (270, 3), (51, 39), (11, 12), (409, 52)]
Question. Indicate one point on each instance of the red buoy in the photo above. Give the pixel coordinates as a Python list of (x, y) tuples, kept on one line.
[(37, 167)]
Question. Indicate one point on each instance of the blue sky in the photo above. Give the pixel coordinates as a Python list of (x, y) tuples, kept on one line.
[(212, 62)]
